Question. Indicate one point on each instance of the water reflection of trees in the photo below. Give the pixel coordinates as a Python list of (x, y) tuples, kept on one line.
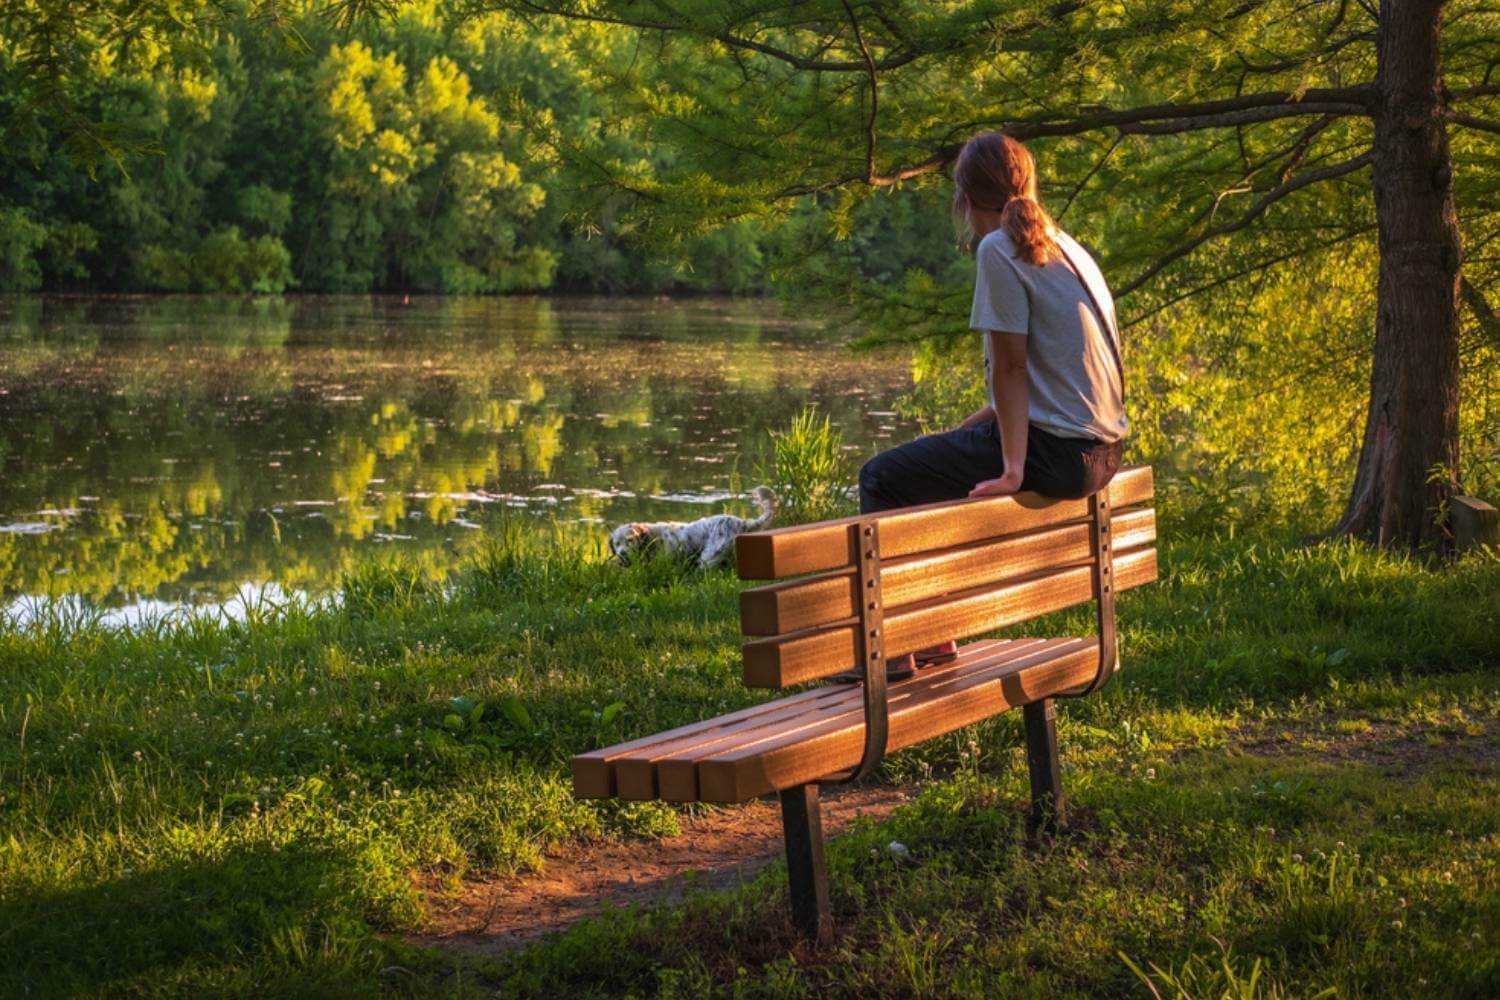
[(181, 446)]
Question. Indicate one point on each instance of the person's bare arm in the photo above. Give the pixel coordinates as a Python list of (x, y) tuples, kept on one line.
[(983, 415), (1012, 393)]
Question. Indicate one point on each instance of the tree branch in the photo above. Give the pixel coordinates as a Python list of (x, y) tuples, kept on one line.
[(1486, 90), (1480, 307), (727, 38), (864, 49), (1182, 118), (1242, 272), (1255, 211), (1469, 121), (1206, 114), (1078, 188)]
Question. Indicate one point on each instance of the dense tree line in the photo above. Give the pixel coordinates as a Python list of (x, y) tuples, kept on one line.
[(417, 152)]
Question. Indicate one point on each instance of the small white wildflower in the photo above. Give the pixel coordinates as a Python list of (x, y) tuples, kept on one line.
[(377, 685), (1401, 902), (1297, 858), (1397, 924), (1150, 773), (898, 850), (137, 755)]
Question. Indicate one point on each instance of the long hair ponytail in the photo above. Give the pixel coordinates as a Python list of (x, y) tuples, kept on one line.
[(996, 173)]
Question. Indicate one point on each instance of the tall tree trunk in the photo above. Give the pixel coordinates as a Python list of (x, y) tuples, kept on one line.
[(1408, 464)]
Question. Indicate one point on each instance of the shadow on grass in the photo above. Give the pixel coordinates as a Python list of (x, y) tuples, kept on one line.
[(219, 924)]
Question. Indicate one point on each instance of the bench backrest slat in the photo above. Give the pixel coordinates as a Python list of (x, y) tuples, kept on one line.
[(813, 653), (817, 548), (949, 571), (828, 598)]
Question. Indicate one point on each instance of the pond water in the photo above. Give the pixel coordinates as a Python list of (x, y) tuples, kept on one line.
[(161, 452)]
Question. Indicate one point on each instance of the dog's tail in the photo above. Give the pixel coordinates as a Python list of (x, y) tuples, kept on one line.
[(765, 500)]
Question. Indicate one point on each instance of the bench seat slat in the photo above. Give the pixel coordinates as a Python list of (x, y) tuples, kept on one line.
[(800, 657), (677, 774), (816, 548), (1062, 665), (822, 600), (593, 774), (636, 772), (742, 756), (629, 770)]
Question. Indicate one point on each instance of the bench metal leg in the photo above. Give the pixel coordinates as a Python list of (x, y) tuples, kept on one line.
[(1046, 774), (802, 825)]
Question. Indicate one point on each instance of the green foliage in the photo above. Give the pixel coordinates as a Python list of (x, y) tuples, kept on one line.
[(223, 261), (811, 469), (415, 147), (20, 239)]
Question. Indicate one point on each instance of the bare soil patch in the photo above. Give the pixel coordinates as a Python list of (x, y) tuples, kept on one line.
[(714, 851)]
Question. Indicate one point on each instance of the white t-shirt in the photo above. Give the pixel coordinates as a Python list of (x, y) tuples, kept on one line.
[(1075, 384)]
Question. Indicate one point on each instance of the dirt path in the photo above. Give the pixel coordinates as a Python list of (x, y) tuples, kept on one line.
[(719, 849)]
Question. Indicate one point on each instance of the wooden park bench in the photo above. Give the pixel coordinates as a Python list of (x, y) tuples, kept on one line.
[(856, 591)]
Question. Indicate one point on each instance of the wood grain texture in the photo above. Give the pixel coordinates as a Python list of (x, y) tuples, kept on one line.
[(817, 548), (664, 765), (805, 656), (644, 769), (677, 773), (636, 774), (829, 598), (593, 773), (946, 704)]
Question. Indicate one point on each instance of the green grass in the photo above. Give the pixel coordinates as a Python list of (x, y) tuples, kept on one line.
[(1301, 739)]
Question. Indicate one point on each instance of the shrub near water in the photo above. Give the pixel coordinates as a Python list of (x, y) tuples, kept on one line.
[(812, 470)]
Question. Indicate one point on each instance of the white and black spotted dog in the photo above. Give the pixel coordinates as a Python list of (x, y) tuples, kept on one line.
[(709, 540)]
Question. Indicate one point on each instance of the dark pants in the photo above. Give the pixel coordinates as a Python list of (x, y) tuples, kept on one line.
[(947, 466)]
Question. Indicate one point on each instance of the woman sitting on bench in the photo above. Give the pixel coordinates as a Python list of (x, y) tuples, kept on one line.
[(1056, 413)]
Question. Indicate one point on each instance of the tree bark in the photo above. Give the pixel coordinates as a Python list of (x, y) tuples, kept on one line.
[(1408, 463)]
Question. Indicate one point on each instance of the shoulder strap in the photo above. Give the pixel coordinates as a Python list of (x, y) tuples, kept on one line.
[(1111, 332)]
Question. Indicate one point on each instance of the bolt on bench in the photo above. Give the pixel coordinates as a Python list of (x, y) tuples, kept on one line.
[(878, 586)]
